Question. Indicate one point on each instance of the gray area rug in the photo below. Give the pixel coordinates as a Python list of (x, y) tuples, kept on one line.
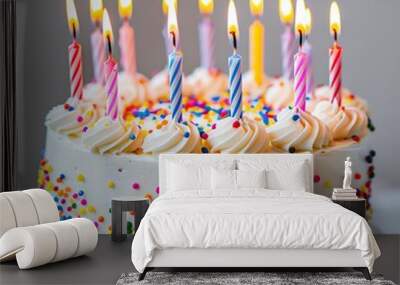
[(231, 278)]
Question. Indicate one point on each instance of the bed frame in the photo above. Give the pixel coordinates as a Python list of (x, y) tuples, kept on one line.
[(242, 259)]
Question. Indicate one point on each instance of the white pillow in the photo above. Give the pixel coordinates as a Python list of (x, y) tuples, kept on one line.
[(293, 180), (228, 179), (281, 175), (251, 178), (223, 179), (186, 175)]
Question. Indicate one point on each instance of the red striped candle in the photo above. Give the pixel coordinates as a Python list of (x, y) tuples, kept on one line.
[(75, 70), (111, 79), (335, 73)]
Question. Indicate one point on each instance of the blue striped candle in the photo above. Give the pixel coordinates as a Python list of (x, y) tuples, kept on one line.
[(175, 61), (235, 85)]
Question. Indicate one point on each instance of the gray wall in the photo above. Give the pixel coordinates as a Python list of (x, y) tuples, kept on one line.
[(370, 39)]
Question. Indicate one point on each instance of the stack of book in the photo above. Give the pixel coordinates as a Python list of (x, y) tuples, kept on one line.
[(344, 194)]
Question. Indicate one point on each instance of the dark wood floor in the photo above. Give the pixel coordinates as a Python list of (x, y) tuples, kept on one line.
[(110, 260)]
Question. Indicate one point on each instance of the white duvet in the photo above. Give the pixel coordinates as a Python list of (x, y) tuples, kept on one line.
[(253, 218)]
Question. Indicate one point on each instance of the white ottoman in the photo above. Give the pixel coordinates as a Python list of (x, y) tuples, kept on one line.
[(31, 232)]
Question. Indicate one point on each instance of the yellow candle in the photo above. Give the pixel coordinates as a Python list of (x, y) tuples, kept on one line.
[(257, 42), (257, 51)]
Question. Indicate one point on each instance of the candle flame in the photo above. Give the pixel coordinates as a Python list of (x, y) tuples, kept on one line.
[(233, 27), (308, 22), (172, 21), (125, 8), (107, 29), (335, 23), (206, 7), (73, 23), (300, 21), (257, 7), (286, 11), (165, 4), (96, 11)]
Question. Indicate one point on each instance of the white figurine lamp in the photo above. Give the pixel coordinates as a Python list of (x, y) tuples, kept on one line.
[(346, 192)]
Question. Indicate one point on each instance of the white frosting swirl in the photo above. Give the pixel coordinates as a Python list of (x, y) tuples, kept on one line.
[(345, 122), (249, 137), (173, 138), (159, 86), (324, 93), (298, 131), (251, 87), (72, 117), (206, 82), (94, 93), (113, 137), (279, 94), (131, 90)]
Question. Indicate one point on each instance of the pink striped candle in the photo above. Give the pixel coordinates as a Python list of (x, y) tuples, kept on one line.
[(75, 70), (288, 46), (128, 49), (335, 73), (111, 79), (300, 79), (98, 55)]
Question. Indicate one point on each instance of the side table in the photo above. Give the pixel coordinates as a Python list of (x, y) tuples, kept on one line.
[(119, 206), (356, 205)]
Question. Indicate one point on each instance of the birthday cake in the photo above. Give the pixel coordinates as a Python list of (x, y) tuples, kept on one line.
[(93, 154)]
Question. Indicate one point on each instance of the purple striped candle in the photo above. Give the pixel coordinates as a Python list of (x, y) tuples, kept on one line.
[(307, 48), (207, 44), (288, 46)]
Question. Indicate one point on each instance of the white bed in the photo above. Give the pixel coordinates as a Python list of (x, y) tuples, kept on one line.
[(249, 227)]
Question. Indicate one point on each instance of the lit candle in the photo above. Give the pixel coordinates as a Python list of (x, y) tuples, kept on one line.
[(175, 61), (335, 56), (75, 54), (287, 38), (110, 70), (300, 58), (257, 42), (206, 34), (97, 42), (235, 65), (307, 48), (167, 42), (127, 38)]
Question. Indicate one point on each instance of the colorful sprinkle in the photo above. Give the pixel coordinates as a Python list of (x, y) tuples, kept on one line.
[(80, 178), (236, 124), (136, 186), (111, 184)]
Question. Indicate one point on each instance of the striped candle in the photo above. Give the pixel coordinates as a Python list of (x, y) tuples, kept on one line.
[(300, 80), (307, 48), (335, 73), (207, 43), (127, 46), (111, 79), (75, 70), (167, 42), (98, 55), (175, 61), (288, 46), (235, 86)]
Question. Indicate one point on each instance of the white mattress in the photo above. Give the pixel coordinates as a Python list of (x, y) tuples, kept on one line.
[(252, 219)]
